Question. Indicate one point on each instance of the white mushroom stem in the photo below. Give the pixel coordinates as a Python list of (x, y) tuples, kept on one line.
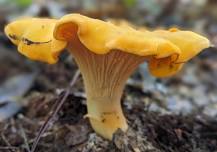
[(104, 79)]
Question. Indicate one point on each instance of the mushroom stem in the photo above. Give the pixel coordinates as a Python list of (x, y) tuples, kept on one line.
[(106, 115), (104, 79)]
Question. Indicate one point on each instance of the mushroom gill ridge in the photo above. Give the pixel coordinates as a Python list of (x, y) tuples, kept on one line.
[(169, 49)]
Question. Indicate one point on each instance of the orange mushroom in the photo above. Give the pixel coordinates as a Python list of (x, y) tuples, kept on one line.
[(34, 38), (106, 54)]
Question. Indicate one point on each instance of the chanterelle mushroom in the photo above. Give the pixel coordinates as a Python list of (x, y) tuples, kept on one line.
[(106, 54), (34, 38)]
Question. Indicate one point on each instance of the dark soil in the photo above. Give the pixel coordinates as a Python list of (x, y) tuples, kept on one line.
[(149, 131)]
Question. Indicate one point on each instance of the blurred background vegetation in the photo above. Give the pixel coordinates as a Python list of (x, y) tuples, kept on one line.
[(28, 88)]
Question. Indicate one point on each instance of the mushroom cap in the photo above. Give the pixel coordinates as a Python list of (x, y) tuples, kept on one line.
[(167, 50), (189, 43), (34, 38), (102, 37)]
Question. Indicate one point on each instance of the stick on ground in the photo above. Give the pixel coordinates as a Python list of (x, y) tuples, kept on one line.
[(57, 106)]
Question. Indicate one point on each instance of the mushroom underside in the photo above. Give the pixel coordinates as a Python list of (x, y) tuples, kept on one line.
[(104, 78)]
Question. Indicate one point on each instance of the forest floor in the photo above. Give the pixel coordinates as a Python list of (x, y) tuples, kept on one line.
[(177, 114)]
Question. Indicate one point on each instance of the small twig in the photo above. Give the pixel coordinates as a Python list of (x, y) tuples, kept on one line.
[(9, 146), (23, 134), (52, 117)]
